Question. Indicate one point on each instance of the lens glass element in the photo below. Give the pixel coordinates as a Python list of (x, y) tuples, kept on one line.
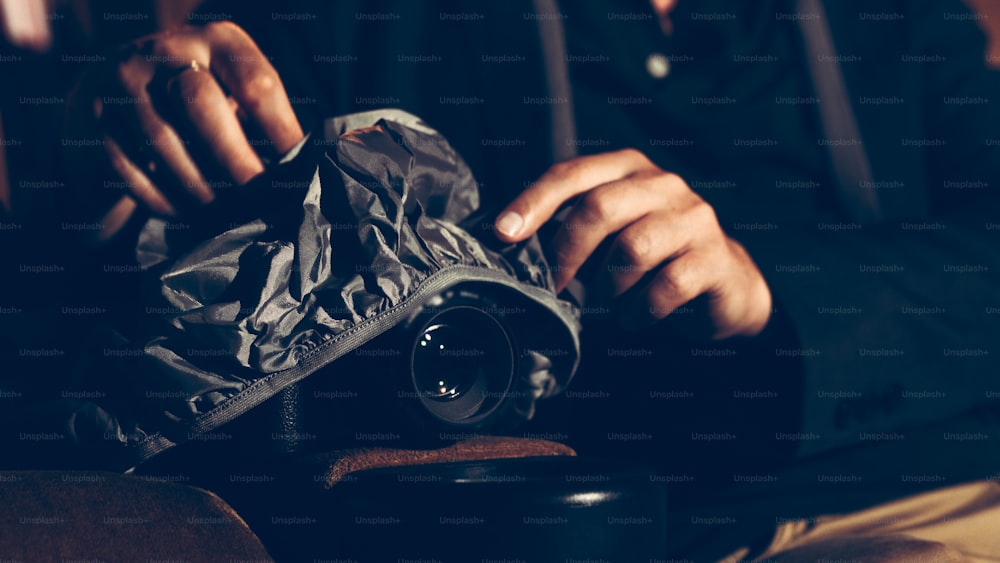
[(462, 363), (445, 370)]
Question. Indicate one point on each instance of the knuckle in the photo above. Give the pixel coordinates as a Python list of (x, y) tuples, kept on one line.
[(218, 26), (631, 152), (671, 179), (636, 249), (703, 214), (596, 208), (564, 168), (224, 28), (669, 184), (125, 71), (165, 50), (679, 281), (635, 154), (257, 90)]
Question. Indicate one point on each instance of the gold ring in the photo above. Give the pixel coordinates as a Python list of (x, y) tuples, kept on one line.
[(193, 65)]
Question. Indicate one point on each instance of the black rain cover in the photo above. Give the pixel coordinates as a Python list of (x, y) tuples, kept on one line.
[(281, 277)]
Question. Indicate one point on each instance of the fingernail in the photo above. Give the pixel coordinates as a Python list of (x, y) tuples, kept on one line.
[(510, 223)]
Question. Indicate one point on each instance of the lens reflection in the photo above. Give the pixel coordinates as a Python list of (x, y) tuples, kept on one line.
[(440, 376), (462, 363)]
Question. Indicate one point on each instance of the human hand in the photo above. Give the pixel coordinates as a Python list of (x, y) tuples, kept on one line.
[(667, 246), (172, 112)]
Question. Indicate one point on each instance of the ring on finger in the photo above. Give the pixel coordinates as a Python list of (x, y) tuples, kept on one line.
[(192, 65)]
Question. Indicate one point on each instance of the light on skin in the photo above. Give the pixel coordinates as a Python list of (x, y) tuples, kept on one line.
[(25, 24)]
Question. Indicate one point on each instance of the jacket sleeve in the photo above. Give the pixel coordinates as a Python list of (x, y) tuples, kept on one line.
[(898, 322)]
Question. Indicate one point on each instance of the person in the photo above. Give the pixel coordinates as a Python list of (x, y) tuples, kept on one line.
[(703, 202)]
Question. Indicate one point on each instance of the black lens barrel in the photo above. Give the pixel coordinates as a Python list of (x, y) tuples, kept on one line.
[(463, 361)]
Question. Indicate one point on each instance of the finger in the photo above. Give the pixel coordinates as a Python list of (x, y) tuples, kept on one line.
[(256, 86), (116, 218), (139, 184), (159, 138), (681, 223), (678, 282), (537, 204), (168, 148), (211, 116), (602, 211), (642, 247)]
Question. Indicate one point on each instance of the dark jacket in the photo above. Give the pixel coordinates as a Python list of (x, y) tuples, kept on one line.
[(895, 321)]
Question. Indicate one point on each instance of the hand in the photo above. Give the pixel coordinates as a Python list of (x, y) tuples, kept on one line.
[(172, 113), (657, 226)]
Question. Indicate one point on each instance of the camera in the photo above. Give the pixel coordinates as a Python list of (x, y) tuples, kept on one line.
[(461, 363)]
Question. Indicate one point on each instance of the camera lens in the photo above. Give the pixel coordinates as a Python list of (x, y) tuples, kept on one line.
[(444, 374), (462, 364)]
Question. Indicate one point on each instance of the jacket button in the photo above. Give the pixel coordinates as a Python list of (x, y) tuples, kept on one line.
[(658, 65)]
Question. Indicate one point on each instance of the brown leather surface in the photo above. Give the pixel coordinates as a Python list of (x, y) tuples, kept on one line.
[(96, 516), (342, 463)]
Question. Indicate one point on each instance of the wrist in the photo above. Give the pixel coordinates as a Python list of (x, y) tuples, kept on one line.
[(757, 304)]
